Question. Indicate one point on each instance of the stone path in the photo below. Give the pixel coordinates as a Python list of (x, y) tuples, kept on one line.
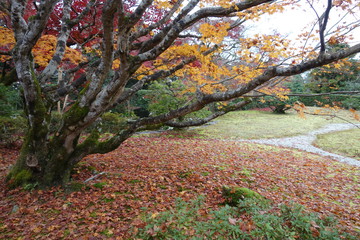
[(304, 142)]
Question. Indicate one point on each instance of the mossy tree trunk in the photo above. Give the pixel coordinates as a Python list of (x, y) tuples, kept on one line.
[(44, 158), (42, 164)]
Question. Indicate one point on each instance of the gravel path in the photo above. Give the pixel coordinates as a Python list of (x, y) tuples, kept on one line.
[(304, 142)]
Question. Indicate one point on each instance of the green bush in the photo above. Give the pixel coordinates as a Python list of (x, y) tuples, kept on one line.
[(11, 129), (278, 106), (164, 96), (352, 102), (338, 100), (10, 101), (109, 122), (250, 219)]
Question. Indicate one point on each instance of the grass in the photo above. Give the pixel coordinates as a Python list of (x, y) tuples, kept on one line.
[(258, 124), (343, 143)]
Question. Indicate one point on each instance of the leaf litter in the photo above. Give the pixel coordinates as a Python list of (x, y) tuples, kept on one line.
[(147, 173)]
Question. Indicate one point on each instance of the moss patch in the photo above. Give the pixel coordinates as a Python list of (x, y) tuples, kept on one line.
[(20, 178), (233, 195)]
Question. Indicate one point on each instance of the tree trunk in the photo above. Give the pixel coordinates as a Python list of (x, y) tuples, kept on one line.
[(42, 162)]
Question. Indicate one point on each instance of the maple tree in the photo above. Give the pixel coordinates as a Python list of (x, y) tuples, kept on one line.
[(100, 53)]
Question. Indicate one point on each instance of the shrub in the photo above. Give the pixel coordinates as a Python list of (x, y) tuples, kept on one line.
[(250, 219), (109, 123), (338, 100), (10, 101), (11, 129)]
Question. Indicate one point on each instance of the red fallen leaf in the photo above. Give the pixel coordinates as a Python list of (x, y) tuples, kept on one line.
[(153, 231), (315, 232), (232, 221), (138, 223)]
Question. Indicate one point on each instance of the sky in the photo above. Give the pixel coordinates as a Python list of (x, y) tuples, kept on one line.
[(293, 21)]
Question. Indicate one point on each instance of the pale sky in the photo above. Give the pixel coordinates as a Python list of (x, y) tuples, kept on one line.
[(293, 21)]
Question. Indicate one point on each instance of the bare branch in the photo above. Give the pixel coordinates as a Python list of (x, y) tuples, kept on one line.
[(99, 76), (323, 20), (36, 25), (333, 116), (162, 21), (342, 93), (60, 44), (188, 20), (202, 121)]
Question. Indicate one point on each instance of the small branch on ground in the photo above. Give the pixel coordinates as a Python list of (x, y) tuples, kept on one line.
[(93, 177)]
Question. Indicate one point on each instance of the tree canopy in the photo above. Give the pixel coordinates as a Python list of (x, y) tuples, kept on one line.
[(96, 54)]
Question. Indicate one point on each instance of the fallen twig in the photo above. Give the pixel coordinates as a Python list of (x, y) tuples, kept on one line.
[(93, 177)]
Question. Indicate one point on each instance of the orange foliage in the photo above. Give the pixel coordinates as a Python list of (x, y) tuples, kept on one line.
[(43, 50)]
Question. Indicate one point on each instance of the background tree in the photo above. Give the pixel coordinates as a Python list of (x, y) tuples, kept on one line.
[(100, 53), (332, 78)]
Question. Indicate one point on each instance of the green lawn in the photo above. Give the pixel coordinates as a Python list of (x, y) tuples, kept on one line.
[(258, 124), (343, 143)]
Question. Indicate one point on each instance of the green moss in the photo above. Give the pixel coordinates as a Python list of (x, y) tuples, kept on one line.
[(21, 177), (134, 181), (99, 185), (205, 174), (107, 233), (75, 114), (75, 187), (234, 194), (90, 143), (108, 200), (185, 174)]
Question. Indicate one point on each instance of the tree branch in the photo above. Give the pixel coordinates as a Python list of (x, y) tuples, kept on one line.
[(60, 44), (267, 75), (151, 43), (323, 20), (188, 20), (202, 121), (102, 71), (128, 93), (343, 93), (27, 38), (153, 26)]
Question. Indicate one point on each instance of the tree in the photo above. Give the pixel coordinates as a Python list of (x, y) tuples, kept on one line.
[(331, 78), (126, 45)]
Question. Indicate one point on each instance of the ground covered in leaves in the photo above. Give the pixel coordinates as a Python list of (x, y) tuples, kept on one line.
[(147, 173)]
